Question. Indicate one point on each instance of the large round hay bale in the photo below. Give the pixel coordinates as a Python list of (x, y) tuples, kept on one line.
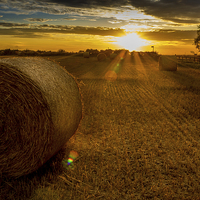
[(112, 56), (101, 57), (167, 63), (40, 109), (86, 54)]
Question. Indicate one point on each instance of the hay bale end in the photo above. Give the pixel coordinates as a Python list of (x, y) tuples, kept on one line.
[(40, 109), (86, 54), (167, 63), (101, 57)]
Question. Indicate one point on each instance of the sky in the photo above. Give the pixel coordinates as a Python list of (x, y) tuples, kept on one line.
[(72, 25)]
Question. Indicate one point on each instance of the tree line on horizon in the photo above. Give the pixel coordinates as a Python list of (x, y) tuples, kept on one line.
[(60, 52), (27, 52)]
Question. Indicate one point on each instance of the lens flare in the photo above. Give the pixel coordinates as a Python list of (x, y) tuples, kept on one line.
[(115, 67), (111, 76), (69, 163)]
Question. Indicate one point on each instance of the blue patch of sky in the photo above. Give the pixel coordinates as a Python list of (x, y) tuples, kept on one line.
[(59, 19)]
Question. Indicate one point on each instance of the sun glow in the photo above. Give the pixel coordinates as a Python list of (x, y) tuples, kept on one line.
[(131, 42)]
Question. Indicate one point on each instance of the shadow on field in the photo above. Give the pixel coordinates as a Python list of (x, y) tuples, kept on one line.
[(188, 82), (23, 188)]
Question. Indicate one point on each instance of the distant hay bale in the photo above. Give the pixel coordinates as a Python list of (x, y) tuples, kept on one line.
[(40, 109), (112, 56), (86, 54), (167, 63), (101, 56)]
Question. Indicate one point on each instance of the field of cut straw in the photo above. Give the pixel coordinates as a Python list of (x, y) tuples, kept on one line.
[(139, 137)]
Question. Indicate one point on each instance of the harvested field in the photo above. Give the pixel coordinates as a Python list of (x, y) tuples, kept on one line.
[(139, 137)]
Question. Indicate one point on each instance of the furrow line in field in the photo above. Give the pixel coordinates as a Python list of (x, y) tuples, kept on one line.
[(167, 106), (149, 92), (128, 100), (167, 111), (147, 96), (126, 71), (98, 107), (187, 136), (136, 132), (157, 139), (92, 92), (127, 113), (135, 107), (143, 103)]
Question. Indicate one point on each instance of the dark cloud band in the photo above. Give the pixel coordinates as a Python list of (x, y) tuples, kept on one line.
[(37, 20), (90, 3), (169, 35), (38, 30), (179, 11)]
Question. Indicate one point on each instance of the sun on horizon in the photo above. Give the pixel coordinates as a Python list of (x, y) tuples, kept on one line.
[(131, 42)]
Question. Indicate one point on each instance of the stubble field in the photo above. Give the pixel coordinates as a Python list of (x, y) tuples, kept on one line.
[(140, 133)]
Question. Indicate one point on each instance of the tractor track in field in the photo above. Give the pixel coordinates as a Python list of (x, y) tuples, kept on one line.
[(169, 113)]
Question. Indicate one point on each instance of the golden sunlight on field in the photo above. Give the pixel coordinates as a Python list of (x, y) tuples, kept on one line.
[(115, 66), (131, 42), (138, 138)]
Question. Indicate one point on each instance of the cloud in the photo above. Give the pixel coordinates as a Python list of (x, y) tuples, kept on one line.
[(70, 19), (90, 3), (114, 22), (7, 24), (4, 7), (178, 11), (21, 33), (3, 1), (31, 31), (16, 12), (92, 20), (1, 15), (169, 35), (38, 20), (152, 24)]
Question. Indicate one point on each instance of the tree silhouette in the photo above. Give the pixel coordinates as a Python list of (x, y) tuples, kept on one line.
[(197, 39)]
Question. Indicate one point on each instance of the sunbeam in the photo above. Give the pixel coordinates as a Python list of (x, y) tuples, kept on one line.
[(115, 66)]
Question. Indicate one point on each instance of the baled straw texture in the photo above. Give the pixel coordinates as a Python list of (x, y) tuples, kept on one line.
[(101, 57), (86, 54), (167, 63), (40, 109)]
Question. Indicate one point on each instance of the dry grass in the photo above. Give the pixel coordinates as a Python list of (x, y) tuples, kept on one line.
[(139, 137)]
